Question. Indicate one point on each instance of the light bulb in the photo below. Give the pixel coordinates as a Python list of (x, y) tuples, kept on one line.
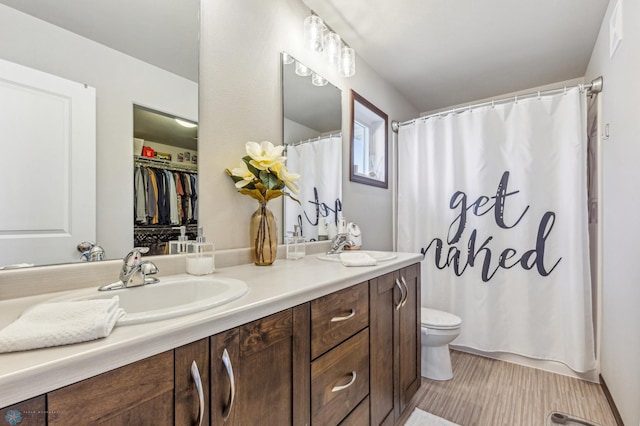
[(302, 70), (332, 45), (348, 62)]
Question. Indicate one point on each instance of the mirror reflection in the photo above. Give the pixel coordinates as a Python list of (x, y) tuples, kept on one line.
[(165, 179), (312, 126), (138, 52)]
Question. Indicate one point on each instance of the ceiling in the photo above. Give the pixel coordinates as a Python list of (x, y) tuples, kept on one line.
[(163, 33), (440, 53)]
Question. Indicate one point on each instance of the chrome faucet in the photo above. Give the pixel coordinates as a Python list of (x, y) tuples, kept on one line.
[(134, 271), (340, 242)]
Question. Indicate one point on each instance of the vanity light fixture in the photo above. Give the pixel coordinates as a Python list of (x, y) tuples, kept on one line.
[(185, 123), (318, 80), (321, 38), (286, 58), (313, 32), (302, 70)]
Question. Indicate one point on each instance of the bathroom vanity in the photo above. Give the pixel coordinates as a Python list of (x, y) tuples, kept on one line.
[(313, 342)]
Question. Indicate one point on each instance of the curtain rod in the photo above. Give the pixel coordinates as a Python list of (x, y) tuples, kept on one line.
[(593, 88), (317, 138)]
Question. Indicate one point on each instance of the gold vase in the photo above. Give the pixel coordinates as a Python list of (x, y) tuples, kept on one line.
[(263, 235)]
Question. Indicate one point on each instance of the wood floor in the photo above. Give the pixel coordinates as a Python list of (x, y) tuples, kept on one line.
[(487, 392)]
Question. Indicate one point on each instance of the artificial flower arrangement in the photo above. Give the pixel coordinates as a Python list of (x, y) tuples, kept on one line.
[(262, 174)]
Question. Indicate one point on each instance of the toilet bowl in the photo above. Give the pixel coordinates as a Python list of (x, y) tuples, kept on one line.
[(438, 329)]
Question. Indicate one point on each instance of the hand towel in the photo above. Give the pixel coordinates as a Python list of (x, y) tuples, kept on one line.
[(357, 259), (61, 323)]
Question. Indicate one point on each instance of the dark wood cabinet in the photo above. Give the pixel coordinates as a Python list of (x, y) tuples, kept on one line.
[(252, 371), (140, 393), (32, 412), (348, 358), (395, 343), (191, 407)]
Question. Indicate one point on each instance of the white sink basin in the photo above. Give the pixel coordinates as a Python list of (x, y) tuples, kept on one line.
[(380, 256), (169, 298)]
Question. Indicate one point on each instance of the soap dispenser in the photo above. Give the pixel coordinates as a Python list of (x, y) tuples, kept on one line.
[(295, 245), (179, 246), (201, 256)]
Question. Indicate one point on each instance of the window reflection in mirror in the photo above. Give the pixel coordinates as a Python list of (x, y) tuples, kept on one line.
[(369, 143), (165, 179), (312, 126)]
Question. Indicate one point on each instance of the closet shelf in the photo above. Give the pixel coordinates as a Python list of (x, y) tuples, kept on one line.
[(164, 164)]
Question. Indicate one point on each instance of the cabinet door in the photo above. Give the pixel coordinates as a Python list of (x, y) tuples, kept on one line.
[(252, 372), (385, 296), (408, 346), (188, 407), (32, 412), (136, 394)]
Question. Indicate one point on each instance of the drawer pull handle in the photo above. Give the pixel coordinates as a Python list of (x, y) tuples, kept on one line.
[(402, 294), (232, 382), (342, 387), (338, 319), (195, 374), (406, 291)]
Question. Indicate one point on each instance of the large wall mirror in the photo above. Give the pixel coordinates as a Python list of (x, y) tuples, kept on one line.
[(312, 126), (140, 52)]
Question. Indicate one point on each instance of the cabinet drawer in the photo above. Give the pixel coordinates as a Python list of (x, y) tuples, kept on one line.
[(359, 416), (340, 380), (338, 316)]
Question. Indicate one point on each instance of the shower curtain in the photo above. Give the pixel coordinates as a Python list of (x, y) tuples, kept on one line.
[(320, 185), (495, 198)]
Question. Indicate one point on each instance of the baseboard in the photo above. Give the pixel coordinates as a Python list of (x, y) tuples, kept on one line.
[(612, 404), (540, 364)]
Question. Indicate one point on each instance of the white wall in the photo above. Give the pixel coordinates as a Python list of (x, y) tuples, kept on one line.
[(240, 100), (620, 362), (120, 81), (296, 132)]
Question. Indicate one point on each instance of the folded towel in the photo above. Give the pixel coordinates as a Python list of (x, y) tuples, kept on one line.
[(61, 323), (357, 259)]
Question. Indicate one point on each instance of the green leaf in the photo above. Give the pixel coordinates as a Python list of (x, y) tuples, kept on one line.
[(252, 169), (269, 180)]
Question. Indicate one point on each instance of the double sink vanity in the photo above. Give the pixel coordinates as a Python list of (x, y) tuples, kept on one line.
[(306, 342)]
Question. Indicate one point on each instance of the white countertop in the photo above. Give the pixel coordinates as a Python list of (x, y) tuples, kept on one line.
[(285, 284)]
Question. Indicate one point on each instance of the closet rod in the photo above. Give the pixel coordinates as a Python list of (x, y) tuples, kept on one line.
[(140, 161), (330, 135), (593, 88)]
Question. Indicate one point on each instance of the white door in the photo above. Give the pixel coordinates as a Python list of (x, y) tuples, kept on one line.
[(47, 166)]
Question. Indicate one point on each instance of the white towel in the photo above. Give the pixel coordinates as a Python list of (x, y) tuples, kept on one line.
[(61, 323), (357, 259)]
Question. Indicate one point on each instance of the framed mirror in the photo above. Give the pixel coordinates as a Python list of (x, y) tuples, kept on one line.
[(312, 123), (369, 143)]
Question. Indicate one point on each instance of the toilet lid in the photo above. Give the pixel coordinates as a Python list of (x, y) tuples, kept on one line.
[(439, 319)]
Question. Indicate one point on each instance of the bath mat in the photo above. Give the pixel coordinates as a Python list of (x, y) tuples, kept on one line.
[(567, 420), (422, 418)]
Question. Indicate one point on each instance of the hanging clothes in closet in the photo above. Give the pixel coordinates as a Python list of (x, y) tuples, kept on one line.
[(164, 197)]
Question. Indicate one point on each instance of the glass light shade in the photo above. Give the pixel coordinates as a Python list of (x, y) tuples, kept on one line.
[(313, 33), (348, 62), (302, 70), (286, 58), (318, 80), (332, 45)]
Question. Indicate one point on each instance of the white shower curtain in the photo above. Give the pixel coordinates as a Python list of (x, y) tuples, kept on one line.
[(319, 162), (496, 199)]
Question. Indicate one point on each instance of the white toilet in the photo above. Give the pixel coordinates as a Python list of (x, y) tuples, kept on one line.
[(438, 330)]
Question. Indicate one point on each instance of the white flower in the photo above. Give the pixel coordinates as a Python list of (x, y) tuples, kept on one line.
[(287, 177), (265, 155), (244, 173)]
